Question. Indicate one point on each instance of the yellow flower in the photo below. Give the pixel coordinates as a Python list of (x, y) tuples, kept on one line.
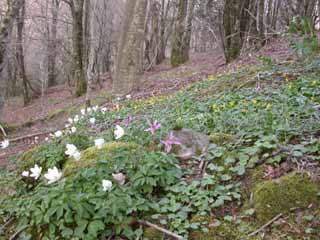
[(269, 106), (314, 83), (254, 101), (214, 107), (211, 78), (232, 103), (290, 86), (313, 99)]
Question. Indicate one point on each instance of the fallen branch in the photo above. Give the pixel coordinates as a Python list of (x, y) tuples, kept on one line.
[(163, 230), (273, 154), (266, 225), (30, 136)]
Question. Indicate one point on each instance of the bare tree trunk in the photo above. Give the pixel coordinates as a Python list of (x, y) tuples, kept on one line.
[(78, 45), (52, 44), (129, 62), (5, 26), (179, 33), (20, 54), (188, 31)]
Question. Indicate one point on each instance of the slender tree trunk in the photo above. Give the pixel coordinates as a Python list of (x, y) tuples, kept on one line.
[(129, 61), (188, 31), (261, 22), (52, 44), (20, 54), (78, 45)]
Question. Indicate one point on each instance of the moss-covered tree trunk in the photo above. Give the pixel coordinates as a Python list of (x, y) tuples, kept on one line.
[(182, 32), (78, 45), (5, 26), (129, 61)]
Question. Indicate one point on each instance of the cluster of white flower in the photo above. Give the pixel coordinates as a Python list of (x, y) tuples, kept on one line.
[(72, 151), (35, 172), (52, 175)]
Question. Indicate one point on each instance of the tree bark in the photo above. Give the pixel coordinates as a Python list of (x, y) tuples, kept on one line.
[(5, 26), (129, 62), (178, 34), (78, 47), (20, 54), (52, 44)]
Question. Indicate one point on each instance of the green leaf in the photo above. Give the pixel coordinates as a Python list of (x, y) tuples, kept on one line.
[(95, 226)]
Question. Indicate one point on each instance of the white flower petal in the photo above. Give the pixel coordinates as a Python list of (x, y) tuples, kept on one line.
[(25, 174)]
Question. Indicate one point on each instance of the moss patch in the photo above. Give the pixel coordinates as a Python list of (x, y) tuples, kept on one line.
[(152, 234), (279, 196)]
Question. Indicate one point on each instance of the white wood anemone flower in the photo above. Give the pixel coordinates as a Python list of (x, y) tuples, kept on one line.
[(83, 111), (76, 119), (53, 175), (92, 120), (106, 185), (71, 150), (95, 108), (58, 134), (119, 132), (35, 171), (5, 143), (99, 143), (73, 129)]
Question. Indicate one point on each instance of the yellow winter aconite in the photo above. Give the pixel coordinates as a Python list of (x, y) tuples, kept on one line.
[(254, 101), (269, 106), (314, 82)]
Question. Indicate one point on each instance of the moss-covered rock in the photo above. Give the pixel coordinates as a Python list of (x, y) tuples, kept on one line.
[(107, 153), (279, 196), (220, 138)]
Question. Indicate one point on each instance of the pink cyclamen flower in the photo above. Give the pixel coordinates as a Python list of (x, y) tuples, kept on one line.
[(128, 120), (153, 127), (171, 140)]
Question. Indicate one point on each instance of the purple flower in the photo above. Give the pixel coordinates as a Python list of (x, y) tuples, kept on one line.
[(128, 120), (171, 140), (153, 127)]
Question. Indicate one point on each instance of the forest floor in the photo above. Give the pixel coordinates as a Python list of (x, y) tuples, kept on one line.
[(28, 126)]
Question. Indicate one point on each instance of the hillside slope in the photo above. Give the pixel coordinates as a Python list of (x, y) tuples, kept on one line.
[(234, 156)]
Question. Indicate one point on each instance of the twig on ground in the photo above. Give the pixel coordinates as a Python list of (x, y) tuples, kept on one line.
[(266, 225), (163, 230), (16, 234)]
